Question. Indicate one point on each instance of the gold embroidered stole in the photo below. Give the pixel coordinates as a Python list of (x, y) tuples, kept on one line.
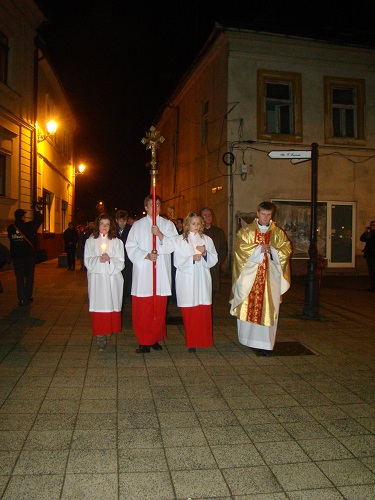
[(256, 295)]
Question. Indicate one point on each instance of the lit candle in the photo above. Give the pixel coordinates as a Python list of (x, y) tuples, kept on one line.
[(103, 246)]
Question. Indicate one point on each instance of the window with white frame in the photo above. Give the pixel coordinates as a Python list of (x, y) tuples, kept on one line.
[(344, 110), (279, 113), (48, 199), (335, 229)]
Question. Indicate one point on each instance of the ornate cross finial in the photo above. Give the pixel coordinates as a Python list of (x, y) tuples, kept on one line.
[(152, 140)]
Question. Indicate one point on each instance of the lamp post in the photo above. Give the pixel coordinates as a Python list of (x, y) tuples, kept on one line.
[(311, 306), (80, 171)]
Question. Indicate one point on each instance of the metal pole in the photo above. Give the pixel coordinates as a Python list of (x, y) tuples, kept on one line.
[(153, 191), (311, 306), (152, 141)]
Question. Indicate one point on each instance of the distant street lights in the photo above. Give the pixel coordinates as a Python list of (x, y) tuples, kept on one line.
[(100, 207)]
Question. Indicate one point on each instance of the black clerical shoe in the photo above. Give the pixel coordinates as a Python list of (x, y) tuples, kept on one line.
[(142, 349), (261, 352), (157, 347), (264, 352), (192, 349)]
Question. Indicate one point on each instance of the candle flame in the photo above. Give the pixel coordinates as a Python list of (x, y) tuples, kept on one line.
[(103, 246)]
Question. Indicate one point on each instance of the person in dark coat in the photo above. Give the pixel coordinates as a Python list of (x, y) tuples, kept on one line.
[(70, 242), (4, 259), (220, 242), (123, 229), (81, 245), (368, 237), (22, 250)]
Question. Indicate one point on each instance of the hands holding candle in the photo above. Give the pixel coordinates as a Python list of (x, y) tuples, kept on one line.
[(201, 249), (104, 257)]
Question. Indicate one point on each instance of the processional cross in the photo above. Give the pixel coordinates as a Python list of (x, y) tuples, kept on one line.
[(152, 141)]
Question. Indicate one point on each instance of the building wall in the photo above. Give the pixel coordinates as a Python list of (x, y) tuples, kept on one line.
[(34, 168), (226, 74), (55, 161), (189, 171), (19, 20), (345, 173)]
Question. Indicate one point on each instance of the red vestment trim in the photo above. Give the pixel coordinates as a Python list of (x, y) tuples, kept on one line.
[(256, 295), (198, 325), (105, 323), (147, 328)]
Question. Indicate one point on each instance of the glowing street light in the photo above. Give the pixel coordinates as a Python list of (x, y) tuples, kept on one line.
[(81, 169), (51, 130)]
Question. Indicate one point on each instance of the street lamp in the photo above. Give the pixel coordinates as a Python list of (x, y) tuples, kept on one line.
[(81, 169), (51, 130)]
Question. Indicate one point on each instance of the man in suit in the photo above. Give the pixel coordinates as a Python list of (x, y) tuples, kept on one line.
[(70, 236), (122, 232)]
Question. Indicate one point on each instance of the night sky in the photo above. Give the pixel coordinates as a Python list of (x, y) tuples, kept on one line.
[(119, 60)]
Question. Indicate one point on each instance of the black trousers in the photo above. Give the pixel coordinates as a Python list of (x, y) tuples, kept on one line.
[(24, 271), (71, 258), (371, 271)]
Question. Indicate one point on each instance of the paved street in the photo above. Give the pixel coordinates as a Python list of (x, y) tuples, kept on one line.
[(222, 423)]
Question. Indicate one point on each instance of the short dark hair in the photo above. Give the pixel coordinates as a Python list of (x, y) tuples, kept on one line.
[(267, 205), (19, 213), (204, 209), (121, 214), (149, 198)]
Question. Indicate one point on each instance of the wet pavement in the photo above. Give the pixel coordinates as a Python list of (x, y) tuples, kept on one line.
[(222, 423)]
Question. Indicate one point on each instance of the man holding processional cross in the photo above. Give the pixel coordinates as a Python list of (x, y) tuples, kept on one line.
[(149, 248)]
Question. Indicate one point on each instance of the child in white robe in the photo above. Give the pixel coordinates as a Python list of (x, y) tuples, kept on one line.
[(104, 260), (194, 255)]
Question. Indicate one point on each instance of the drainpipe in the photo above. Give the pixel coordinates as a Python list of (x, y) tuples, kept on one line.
[(175, 159), (34, 179)]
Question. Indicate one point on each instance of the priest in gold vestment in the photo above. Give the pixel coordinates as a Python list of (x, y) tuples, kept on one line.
[(261, 274)]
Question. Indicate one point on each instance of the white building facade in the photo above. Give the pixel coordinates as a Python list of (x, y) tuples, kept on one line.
[(249, 94)]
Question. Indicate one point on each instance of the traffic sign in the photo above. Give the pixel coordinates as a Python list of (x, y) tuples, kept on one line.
[(289, 155)]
